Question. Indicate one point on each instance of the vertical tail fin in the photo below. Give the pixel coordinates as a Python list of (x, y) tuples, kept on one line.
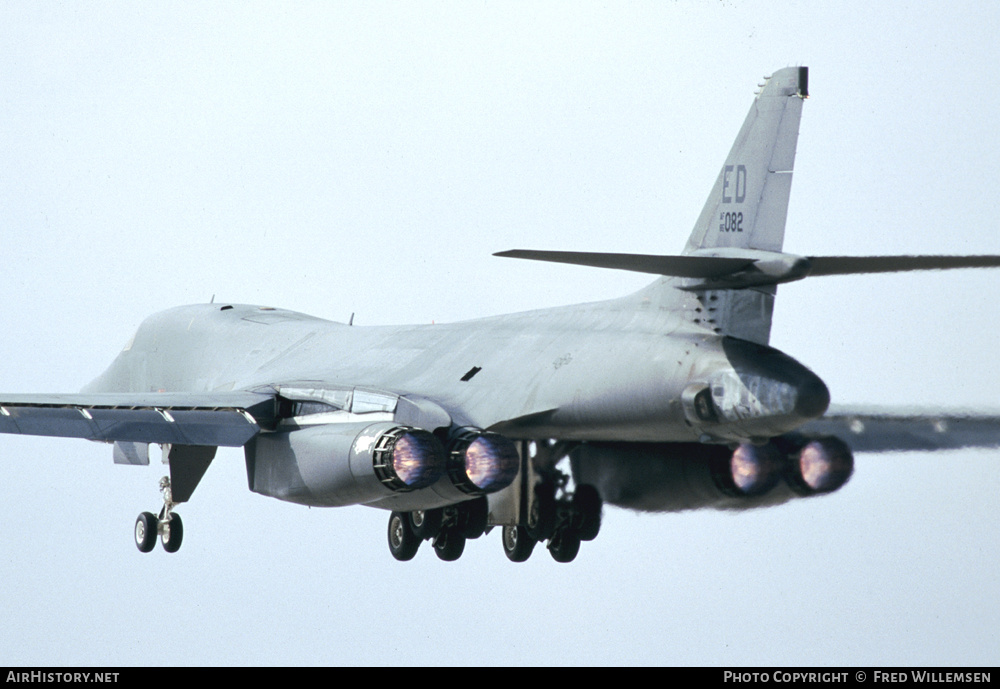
[(748, 204), (745, 210)]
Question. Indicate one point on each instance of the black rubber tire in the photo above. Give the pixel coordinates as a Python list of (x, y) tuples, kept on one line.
[(145, 532), (474, 515), (587, 503), (426, 524), (403, 543), (565, 545), (517, 544), (172, 542), (449, 545)]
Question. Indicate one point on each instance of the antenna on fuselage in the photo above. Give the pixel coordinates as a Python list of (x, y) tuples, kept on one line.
[(351, 321)]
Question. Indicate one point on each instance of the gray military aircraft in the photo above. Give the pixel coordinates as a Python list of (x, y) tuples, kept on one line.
[(666, 399)]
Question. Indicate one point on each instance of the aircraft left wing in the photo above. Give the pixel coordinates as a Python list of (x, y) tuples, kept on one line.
[(228, 419), (884, 429)]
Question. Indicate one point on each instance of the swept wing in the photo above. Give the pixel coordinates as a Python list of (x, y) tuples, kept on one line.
[(216, 419), (897, 429)]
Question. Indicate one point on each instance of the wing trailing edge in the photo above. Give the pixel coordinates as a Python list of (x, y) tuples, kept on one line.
[(218, 419)]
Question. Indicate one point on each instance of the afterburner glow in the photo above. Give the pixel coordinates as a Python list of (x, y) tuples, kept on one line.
[(823, 465), (754, 469), (491, 462), (417, 460)]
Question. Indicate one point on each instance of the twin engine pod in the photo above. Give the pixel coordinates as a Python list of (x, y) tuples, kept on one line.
[(671, 477), (808, 466), (361, 463)]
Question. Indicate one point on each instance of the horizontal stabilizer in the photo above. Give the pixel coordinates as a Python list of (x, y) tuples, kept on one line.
[(226, 419), (729, 268), (705, 267), (853, 265)]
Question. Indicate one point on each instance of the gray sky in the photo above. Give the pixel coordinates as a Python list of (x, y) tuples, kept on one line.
[(338, 158)]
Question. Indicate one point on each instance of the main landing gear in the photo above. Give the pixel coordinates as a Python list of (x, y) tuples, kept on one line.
[(555, 516), (447, 528), (558, 517), (167, 525)]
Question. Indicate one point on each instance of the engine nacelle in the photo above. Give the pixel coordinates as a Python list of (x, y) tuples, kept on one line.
[(669, 477), (344, 464)]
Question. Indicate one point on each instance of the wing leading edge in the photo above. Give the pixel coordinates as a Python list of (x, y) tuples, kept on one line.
[(228, 419)]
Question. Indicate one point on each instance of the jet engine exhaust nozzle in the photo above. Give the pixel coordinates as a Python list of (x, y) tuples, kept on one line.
[(822, 466), (751, 470), (408, 458), (481, 463)]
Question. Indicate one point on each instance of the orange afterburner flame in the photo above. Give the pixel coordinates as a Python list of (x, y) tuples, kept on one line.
[(416, 459), (824, 465), (754, 469), (491, 462)]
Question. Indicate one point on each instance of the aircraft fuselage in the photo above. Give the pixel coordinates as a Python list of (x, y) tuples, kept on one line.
[(587, 372)]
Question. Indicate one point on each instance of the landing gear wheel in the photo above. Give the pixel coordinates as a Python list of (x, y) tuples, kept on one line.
[(474, 514), (426, 524), (565, 545), (172, 534), (145, 532), (403, 543), (449, 545), (587, 503), (517, 544), (542, 515)]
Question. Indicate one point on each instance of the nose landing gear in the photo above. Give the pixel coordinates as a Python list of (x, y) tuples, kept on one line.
[(167, 525)]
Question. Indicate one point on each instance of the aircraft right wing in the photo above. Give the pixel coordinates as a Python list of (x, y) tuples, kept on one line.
[(889, 429)]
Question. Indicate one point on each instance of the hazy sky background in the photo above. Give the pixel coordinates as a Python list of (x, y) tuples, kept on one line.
[(369, 157)]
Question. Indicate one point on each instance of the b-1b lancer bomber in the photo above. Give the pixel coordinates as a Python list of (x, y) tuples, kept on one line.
[(667, 399)]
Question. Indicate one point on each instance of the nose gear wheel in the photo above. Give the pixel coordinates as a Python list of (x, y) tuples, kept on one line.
[(167, 525)]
